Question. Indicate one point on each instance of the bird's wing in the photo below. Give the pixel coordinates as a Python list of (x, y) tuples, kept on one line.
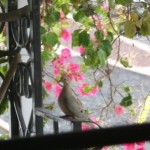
[(75, 105)]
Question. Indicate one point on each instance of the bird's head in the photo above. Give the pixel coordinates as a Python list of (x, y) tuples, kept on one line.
[(64, 79)]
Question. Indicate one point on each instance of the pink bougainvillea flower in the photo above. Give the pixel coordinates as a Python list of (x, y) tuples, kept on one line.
[(73, 67), (140, 148), (85, 89), (66, 35), (94, 90), (78, 77), (81, 49), (81, 89), (47, 85), (105, 148), (85, 127), (56, 71), (142, 143), (62, 17), (58, 90), (65, 54), (119, 110), (105, 7), (129, 146)]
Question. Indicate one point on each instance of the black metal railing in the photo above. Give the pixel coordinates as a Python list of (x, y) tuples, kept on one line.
[(23, 33)]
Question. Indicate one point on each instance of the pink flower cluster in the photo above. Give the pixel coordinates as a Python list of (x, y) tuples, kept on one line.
[(49, 86), (134, 146), (71, 69)]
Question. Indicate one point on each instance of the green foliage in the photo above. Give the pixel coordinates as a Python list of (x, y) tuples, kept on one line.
[(145, 27), (79, 16), (4, 137), (84, 38), (3, 105), (130, 29), (126, 101), (75, 38), (99, 34), (100, 84), (127, 89), (47, 55), (50, 39), (125, 62), (123, 2)]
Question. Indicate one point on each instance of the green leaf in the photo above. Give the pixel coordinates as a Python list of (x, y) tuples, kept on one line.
[(100, 84), (87, 89), (3, 69), (79, 16), (130, 29), (145, 27), (127, 89), (123, 2), (102, 57), (46, 56), (42, 30), (134, 16), (75, 38), (50, 39), (106, 46), (84, 38), (109, 36), (126, 101), (3, 105), (99, 34), (125, 62), (65, 8), (83, 67)]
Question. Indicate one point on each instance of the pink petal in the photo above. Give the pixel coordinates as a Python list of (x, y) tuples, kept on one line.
[(81, 89), (140, 148), (65, 34), (73, 67), (65, 54), (129, 146), (105, 148), (85, 127), (78, 77), (142, 143), (58, 90), (105, 7), (119, 110), (81, 50), (94, 90), (48, 86)]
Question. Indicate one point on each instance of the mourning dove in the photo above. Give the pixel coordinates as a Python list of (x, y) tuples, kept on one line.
[(70, 104)]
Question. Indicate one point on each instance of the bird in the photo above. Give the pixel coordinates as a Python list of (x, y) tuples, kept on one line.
[(70, 104)]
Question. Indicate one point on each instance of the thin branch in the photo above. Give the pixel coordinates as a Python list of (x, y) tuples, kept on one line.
[(8, 77)]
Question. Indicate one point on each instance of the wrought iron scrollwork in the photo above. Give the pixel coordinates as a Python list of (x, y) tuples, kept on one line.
[(22, 80), (20, 31)]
